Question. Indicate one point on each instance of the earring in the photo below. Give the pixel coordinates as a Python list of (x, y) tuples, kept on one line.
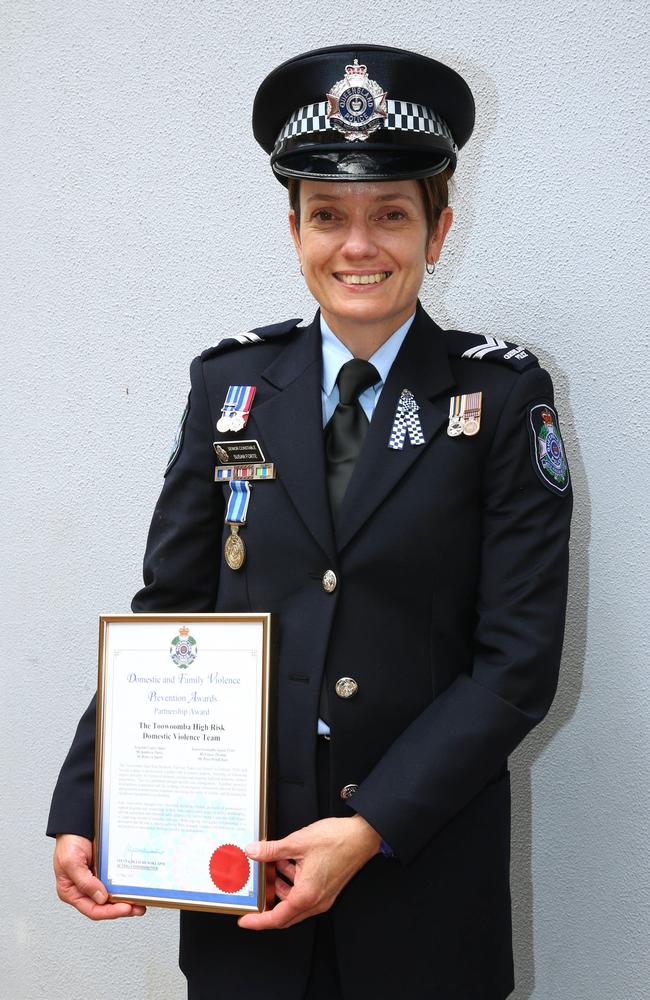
[(431, 267), (301, 270)]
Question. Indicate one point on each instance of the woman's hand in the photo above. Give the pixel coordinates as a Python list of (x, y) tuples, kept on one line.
[(76, 884), (318, 861)]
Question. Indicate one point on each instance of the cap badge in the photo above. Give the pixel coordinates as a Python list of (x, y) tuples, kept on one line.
[(356, 104)]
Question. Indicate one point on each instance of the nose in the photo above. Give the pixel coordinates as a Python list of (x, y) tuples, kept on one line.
[(359, 243)]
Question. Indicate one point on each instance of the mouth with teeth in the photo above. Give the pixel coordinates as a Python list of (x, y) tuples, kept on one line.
[(362, 279)]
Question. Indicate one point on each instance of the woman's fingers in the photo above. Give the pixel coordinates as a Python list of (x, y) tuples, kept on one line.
[(286, 868), (282, 888), (77, 886), (105, 911), (72, 860)]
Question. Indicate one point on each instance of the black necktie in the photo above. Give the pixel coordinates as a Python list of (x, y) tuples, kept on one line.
[(344, 435), (345, 432)]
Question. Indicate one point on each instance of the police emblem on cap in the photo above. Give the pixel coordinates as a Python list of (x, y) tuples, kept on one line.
[(356, 104), (317, 126)]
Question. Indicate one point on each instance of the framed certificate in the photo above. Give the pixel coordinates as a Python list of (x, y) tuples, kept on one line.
[(181, 769)]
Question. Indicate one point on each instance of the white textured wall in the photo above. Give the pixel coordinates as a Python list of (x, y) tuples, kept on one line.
[(140, 223)]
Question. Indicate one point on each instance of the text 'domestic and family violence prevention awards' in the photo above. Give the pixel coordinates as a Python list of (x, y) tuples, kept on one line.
[(182, 758)]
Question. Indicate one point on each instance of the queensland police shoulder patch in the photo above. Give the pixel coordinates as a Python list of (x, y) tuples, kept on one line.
[(177, 443), (547, 448)]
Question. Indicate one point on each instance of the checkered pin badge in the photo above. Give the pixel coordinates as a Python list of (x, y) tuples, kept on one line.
[(406, 421)]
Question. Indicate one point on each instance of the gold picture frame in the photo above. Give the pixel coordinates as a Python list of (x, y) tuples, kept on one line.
[(184, 724)]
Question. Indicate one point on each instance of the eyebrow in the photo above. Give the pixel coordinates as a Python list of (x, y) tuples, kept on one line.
[(392, 196)]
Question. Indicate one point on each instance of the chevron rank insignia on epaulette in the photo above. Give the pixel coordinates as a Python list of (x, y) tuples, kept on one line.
[(260, 335), (479, 347)]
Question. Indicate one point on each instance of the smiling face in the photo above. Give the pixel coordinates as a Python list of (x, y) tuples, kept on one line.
[(363, 247)]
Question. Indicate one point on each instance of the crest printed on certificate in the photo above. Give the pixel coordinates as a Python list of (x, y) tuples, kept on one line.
[(181, 769)]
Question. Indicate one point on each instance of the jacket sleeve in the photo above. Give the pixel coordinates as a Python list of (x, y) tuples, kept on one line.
[(461, 740), (181, 573)]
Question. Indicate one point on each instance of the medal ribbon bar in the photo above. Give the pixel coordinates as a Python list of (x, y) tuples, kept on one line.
[(264, 470)]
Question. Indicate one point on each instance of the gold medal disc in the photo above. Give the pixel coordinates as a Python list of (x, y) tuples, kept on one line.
[(234, 550), (471, 427)]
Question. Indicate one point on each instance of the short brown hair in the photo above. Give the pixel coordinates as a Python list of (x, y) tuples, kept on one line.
[(435, 195)]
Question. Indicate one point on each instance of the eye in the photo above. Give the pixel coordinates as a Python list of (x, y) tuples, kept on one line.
[(394, 215), (322, 215)]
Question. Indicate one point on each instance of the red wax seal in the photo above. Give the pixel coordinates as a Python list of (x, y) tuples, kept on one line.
[(229, 868)]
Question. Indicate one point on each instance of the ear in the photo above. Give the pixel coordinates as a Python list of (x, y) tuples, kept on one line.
[(295, 233), (437, 238)]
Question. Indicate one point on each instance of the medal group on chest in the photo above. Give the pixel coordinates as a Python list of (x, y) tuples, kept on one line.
[(465, 414), (242, 462)]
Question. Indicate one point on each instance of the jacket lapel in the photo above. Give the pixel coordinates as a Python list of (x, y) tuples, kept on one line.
[(291, 427), (422, 366)]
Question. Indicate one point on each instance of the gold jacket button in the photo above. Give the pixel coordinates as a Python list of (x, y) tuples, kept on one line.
[(348, 791), (329, 581), (346, 687)]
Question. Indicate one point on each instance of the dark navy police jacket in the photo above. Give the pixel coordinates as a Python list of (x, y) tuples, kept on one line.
[(451, 561)]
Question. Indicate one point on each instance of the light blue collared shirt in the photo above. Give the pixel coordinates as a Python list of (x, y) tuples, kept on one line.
[(335, 355)]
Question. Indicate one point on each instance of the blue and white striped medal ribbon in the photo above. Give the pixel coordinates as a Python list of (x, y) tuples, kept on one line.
[(237, 404), (406, 419), (234, 549), (240, 495)]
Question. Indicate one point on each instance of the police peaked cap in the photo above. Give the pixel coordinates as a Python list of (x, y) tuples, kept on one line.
[(362, 112)]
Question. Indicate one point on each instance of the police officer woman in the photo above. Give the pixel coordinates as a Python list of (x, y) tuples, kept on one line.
[(414, 549)]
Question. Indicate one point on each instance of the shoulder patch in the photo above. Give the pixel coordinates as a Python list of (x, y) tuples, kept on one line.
[(547, 448), (259, 335), (177, 443), (480, 347)]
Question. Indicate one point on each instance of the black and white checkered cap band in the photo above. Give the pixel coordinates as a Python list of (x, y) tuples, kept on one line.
[(402, 115)]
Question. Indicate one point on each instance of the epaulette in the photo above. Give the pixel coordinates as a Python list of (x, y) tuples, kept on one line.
[(479, 347), (260, 335)]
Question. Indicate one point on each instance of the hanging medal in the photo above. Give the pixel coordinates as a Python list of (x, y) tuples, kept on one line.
[(473, 406), (456, 415), (234, 549), (236, 408)]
